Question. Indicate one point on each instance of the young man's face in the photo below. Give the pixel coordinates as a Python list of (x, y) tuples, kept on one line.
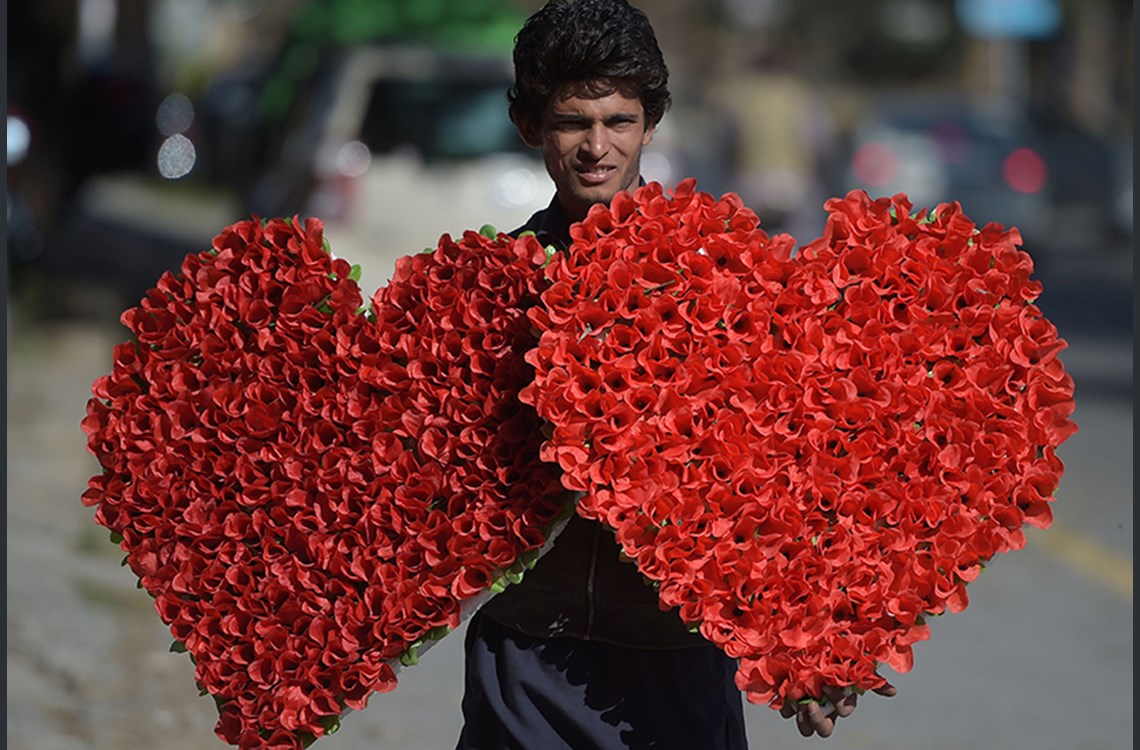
[(592, 147)]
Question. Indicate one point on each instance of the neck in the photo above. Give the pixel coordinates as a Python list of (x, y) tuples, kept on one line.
[(574, 210)]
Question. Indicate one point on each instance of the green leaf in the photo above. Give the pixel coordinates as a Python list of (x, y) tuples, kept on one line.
[(488, 231), (411, 657), (566, 512), (930, 218), (116, 537), (530, 558), (326, 245), (354, 274), (330, 723), (177, 647)]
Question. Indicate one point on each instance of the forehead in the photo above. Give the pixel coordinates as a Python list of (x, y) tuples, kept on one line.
[(594, 103)]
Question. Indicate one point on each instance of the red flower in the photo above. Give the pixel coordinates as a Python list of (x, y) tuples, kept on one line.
[(311, 490), (807, 453)]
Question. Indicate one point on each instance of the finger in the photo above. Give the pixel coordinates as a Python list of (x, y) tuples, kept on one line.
[(846, 705), (803, 723), (844, 701), (788, 711), (822, 725), (887, 690)]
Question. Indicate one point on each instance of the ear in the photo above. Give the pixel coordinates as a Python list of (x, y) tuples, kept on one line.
[(530, 134), (647, 136)]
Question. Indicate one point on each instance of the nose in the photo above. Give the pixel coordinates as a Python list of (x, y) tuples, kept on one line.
[(596, 143)]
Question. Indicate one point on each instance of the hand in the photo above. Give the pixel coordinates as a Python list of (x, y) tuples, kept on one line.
[(813, 718)]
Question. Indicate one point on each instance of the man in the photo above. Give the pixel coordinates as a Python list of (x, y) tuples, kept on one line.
[(579, 655)]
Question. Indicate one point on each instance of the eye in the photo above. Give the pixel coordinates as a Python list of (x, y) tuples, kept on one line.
[(569, 126)]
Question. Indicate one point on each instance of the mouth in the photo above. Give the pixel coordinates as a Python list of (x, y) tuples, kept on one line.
[(596, 174)]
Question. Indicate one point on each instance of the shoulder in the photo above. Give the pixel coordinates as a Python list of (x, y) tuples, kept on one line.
[(551, 225), (535, 223)]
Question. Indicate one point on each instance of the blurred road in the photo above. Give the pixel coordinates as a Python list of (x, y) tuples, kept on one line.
[(1041, 660)]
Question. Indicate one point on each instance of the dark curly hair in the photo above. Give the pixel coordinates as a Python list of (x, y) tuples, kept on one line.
[(599, 46)]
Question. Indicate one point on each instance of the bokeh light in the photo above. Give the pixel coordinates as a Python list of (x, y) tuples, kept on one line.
[(874, 164), (1024, 171), (175, 114), (19, 140), (515, 187), (353, 159), (176, 157)]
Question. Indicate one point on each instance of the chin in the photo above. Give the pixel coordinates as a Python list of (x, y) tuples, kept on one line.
[(596, 194)]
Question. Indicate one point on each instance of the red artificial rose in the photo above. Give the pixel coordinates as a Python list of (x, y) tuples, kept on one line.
[(808, 453), (292, 475)]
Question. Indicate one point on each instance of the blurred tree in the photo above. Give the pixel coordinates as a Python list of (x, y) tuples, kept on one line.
[(475, 25), (877, 41)]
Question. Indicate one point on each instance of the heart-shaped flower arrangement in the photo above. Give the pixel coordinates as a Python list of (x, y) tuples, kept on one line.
[(808, 451), (312, 491)]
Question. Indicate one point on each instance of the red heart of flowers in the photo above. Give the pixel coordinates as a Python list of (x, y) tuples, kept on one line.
[(312, 491), (809, 452)]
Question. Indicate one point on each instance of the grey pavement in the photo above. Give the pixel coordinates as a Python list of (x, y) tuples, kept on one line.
[(1041, 660)]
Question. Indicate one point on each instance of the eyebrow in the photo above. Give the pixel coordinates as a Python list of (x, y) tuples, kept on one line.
[(573, 117)]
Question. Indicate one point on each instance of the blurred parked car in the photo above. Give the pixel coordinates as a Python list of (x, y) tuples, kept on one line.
[(1089, 186), (937, 148), (61, 140), (393, 145), (231, 133), (1066, 189)]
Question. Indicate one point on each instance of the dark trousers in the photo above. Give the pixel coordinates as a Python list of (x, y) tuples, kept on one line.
[(525, 693)]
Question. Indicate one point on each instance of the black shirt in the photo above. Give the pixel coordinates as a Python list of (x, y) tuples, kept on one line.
[(582, 587)]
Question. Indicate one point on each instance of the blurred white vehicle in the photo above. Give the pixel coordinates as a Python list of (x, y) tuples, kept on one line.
[(393, 146)]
